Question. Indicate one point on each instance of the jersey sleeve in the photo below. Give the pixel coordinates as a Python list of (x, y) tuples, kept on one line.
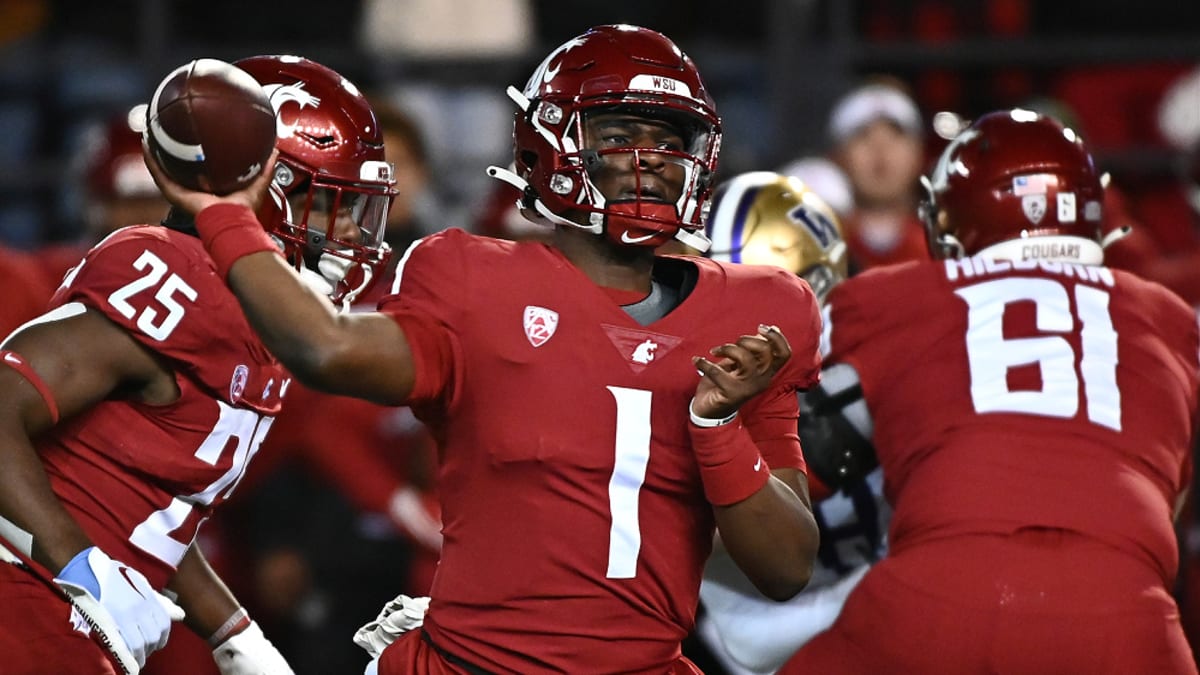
[(773, 416), (426, 300), (165, 295)]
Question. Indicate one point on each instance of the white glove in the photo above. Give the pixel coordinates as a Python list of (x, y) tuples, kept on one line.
[(131, 618), (397, 617), (250, 653)]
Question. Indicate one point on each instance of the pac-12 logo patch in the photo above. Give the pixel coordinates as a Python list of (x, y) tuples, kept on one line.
[(237, 385), (540, 324)]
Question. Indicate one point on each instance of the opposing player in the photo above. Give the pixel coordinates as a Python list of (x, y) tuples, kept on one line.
[(764, 218), (598, 409), (134, 405), (1033, 413)]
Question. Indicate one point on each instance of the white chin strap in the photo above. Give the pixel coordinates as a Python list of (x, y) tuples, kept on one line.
[(540, 214), (695, 239), (1115, 236), (331, 271), (368, 273), (315, 281)]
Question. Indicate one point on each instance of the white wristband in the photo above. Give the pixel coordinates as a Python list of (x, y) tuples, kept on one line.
[(708, 422)]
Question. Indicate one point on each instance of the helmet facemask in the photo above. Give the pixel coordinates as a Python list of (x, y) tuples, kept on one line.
[(942, 244), (333, 231)]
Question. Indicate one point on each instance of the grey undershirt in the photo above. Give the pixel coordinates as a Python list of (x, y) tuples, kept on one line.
[(659, 303)]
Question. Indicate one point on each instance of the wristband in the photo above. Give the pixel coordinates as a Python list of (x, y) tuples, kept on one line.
[(231, 232), (731, 467), (18, 363), (236, 623), (708, 422)]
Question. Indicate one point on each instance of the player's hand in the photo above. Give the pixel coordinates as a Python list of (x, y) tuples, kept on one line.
[(133, 618), (194, 202), (397, 618), (743, 371), (250, 653)]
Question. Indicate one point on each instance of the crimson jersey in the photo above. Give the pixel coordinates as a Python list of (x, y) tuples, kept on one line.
[(141, 478), (1005, 395), (574, 519)]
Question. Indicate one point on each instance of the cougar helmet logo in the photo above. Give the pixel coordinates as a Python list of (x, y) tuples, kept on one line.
[(949, 163), (544, 73), (280, 94)]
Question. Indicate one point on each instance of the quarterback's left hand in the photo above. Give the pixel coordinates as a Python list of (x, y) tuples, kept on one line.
[(397, 617), (250, 653), (744, 371)]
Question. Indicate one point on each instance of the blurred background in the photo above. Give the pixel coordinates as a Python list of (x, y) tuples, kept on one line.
[(775, 68), (338, 513)]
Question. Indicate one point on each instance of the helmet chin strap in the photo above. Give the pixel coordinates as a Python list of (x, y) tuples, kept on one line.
[(540, 212), (348, 298), (695, 239), (1116, 235), (332, 274), (315, 281)]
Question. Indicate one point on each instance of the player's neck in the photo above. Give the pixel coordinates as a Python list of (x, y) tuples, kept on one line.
[(607, 264)]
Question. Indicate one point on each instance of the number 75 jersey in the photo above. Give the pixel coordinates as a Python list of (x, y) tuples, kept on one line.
[(1028, 394), (141, 478)]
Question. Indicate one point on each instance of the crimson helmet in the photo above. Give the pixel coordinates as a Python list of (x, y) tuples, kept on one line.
[(331, 168), (766, 218), (1011, 176), (609, 69)]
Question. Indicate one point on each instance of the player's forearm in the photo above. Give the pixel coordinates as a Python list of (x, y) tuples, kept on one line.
[(298, 327), (773, 538), (206, 599), (29, 503), (364, 356)]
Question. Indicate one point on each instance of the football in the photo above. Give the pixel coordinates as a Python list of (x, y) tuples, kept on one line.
[(210, 126)]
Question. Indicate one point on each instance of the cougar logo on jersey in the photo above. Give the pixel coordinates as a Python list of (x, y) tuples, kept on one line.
[(280, 94), (639, 348), (237, 386), (645, 352), (540, 324)]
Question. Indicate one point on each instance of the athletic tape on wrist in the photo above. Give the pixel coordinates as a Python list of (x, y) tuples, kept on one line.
[(236, 623), (707, 422), (731, 467), (231, 232), (18, 363)]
